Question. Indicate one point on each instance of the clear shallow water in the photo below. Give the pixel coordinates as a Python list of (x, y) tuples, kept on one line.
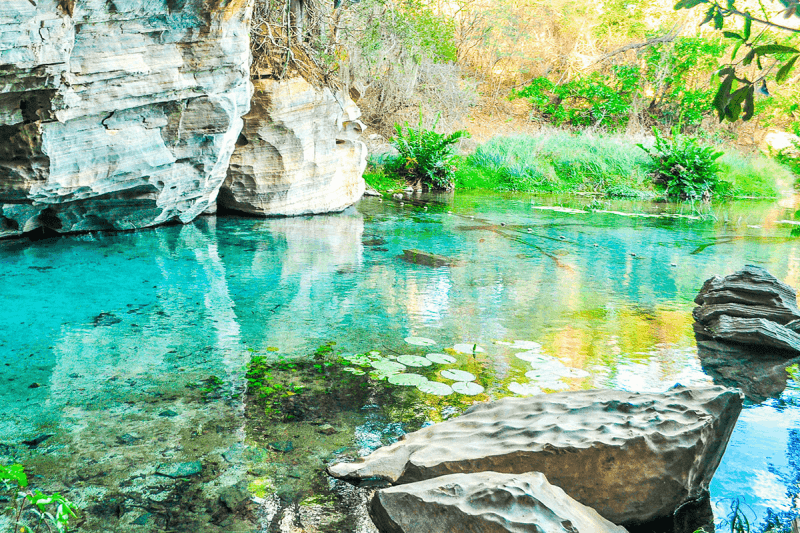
[(117, 330)]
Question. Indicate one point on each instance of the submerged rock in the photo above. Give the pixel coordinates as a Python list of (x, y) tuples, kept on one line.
[(298, 153), (175, 470), (488, 502), (426, 258), (117, 115), (634, 457)]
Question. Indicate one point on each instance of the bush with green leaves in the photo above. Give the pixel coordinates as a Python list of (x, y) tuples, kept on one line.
[(31, 510), (426, 158), (687, 169)]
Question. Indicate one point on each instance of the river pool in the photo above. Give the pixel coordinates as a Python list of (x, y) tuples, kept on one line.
[(127, 353)]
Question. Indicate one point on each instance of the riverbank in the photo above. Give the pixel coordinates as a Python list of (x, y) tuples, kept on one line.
[(608, 165)]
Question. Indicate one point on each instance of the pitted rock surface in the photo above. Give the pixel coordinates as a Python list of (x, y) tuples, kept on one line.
[(750, 307), (485, 502), (118, 115), (633, 457), (299, 152)]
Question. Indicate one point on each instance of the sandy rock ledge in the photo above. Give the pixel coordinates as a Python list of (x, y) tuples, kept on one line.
[(633, 457)]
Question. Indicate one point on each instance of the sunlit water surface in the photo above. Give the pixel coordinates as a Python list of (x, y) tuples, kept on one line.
[(106, 339)]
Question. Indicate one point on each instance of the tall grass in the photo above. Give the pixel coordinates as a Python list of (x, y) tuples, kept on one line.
[(755, 175), (561, 161)]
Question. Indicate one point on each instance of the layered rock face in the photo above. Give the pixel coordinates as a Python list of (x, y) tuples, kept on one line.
[(486, 502), (298, 154), (750, 307), (634, 458), (118, 115)]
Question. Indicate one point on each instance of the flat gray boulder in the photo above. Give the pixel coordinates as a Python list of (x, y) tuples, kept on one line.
[(633, 457), (769, 336), (749, 293), (485, 502)]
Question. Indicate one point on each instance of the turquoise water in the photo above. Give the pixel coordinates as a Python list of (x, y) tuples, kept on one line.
[(104, 334)]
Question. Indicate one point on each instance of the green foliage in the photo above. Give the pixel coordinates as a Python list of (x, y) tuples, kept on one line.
[(585, 100), (735, 97), (687, 169), (426, 157), (32, 510), (754, 175)]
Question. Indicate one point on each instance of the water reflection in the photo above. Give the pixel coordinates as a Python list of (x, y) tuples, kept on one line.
[(119, 329)]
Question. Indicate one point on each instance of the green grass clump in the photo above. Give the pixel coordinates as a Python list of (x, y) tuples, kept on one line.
[(559, 161), (754, 175)]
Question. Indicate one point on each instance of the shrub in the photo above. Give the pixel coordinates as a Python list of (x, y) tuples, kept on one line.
[(426, 157), (687, 169), (30, 509)]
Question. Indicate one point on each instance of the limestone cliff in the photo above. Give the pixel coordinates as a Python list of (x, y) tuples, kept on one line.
[(118, 114), (298, 154)]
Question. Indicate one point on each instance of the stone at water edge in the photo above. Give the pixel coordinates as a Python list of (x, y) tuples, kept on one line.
[(634, 457), (298, 153), (485, 502)]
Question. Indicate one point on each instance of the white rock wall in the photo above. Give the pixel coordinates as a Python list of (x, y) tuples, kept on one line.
[(118, 114), (298, 154)]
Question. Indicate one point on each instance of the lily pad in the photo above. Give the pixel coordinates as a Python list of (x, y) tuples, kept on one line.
[(435, 387), (457, 375), (374, 352), (533, 356), (381, 374), (576, 373), (414, 360), (408, 380), (441, 358), (521, 345), (354, 371), (553, 385), (420, 341), (361, 360), (388, 367), (468, 348), (524, 389), (467, 388)]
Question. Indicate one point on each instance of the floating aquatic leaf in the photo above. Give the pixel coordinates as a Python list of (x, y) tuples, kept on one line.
[(381, 375), (435, 387), (409, 380), (577, 373), (441, 358), (521, 345), (553, 385), (420, 341), (468, 388), (356, 359), (468, 348), (354, 371), (414, 360), (374, 352), (386, 366), (457, 375), (533, 356), (524, 389)]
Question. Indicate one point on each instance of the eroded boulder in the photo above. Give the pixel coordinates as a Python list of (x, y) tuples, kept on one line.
[(485, 502), (298, 153), (633, 457), (118, 115), (750, 307)]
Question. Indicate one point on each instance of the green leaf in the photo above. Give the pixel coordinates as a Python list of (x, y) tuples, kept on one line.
[(735, 50), (749, 57), (722, 97), (732, 35), (738, 96), (718, 20), (15, 473), (709, 15), (784, 71), (749, 104), (748, 23), (770, 49)]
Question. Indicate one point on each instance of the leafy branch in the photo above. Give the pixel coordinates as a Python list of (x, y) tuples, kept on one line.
[(734, 99), (52, 511)]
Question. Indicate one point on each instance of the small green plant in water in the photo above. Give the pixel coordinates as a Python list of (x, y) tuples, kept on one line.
[(687, 169), (426, 157), (31, 510)]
